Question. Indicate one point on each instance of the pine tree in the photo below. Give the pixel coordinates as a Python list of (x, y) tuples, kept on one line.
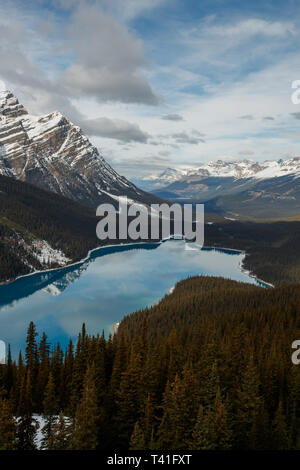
[(119, 364), (43, 369), (31, 353), (247, 407), (19, 383), (222, 431), (26, 433), (280, 434), (147, 420), (50, 409), (212, 430), (167, 436), (9, 371), (32, 361), (203, 437), (85, 434), (66, 380), (60, 437), (7, 426), (129, 397), (293, 408), (137, 440), (27, 426), (180, 405), (175, 353), (79, 369), (210, 385)]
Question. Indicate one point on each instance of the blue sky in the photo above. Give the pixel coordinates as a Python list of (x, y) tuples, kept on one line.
[(160, 83)]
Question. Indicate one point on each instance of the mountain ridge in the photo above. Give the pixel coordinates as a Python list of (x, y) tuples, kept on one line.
[(54, 154), (245, 188), (238, 169)]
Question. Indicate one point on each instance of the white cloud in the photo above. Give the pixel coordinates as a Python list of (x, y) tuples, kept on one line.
[(106, 60), (114, 129), (108, 75), (252, 27), (109, 60), (134, 8), (224, 50), (185, 138)]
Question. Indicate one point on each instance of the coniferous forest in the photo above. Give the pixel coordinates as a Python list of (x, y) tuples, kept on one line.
[(209, 367)]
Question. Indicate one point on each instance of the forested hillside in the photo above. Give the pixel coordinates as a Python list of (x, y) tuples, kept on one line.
[(29, 215), (209, 367), (272, 248)]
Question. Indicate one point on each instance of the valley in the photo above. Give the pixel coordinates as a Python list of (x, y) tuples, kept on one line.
[(149, 230), (241, 189)]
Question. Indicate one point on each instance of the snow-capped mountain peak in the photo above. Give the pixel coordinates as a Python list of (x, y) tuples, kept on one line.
[(52, 153), (10, 107), (168, 175), (233, 168)]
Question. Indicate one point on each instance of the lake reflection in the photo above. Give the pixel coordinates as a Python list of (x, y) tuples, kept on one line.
[(100, 291)]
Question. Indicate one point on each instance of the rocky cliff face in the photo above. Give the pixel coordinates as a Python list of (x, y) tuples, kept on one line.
[(54, 154)]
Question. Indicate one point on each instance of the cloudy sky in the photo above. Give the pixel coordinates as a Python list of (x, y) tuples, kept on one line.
[(160, 83)]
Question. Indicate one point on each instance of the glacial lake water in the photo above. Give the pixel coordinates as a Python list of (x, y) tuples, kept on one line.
[(101, 290)]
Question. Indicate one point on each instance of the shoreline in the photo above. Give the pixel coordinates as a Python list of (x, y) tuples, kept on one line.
[(82, 260), (87, 257), (115, 326), (241, 267)]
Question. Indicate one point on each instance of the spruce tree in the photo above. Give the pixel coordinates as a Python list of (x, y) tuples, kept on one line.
[(7, 426), (50, 410), (147, 420), (43, 369), (27, 425), (137, 440), (247, 407), (221, 426), (203, 437), (60, 436), (280, 434), (31, 353), (32, 361), (9, 376), (129, 397), (85, 433)]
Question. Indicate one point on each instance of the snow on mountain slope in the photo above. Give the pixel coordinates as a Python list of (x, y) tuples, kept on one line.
[(237, 169), (54, 154), (167, 176), (234, 169), (269, 189), (276, 169)]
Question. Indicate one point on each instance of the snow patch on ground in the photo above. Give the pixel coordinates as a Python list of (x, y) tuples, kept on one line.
[(40, 420), (48, 255)]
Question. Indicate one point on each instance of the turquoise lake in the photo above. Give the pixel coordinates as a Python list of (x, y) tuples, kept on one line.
[(103, 289)]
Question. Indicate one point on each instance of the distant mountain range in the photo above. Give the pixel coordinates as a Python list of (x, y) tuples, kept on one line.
[(52, 153), (246, 188), (157, 182)]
